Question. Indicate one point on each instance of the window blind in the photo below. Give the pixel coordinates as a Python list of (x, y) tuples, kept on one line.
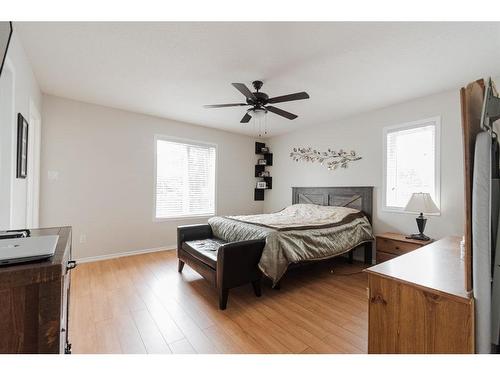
[(185, 179), (410, 163)]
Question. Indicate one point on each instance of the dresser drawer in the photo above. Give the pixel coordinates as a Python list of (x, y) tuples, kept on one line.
[(395, 247)]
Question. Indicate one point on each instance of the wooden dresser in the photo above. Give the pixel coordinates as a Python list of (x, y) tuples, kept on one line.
[(418, 302), (392, 245), (34, 300)]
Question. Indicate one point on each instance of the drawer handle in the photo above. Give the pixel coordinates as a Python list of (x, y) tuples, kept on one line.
[(378, 299), (71, 264)]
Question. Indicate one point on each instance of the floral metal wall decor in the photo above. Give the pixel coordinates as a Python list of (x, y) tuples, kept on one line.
[(333, 159)]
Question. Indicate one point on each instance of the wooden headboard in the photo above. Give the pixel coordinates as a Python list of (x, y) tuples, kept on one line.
[(358, 197)]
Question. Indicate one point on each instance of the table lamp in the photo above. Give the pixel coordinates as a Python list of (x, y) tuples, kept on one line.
[(421, 203)]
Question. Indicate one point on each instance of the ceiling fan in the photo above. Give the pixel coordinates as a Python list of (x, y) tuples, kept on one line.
[(259, 102)]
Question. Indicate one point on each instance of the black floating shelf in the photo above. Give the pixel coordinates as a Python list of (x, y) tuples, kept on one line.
[(258, 194), (258, 147), (259, 168), (269, 158), (269, 182)]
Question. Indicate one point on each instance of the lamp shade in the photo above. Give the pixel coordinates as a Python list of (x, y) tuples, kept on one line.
[(421, 203), (257, 113)]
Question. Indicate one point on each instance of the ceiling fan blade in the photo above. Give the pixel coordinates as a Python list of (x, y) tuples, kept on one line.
[(280, 112), (289, 97), (241, 87), (246, 118), (224, 105)]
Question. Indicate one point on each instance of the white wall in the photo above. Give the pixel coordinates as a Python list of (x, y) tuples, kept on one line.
[(18, 91), (363, 133), (105, 163)]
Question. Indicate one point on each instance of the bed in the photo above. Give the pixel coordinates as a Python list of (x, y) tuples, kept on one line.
[(322, 223)]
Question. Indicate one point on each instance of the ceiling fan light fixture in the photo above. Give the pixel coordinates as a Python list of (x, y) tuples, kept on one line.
[(257, 113)]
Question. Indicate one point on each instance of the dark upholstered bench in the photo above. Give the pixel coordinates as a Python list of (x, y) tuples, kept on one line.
[(224, 264)]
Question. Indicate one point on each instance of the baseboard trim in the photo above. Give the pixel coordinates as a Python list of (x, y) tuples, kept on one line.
[(125, 254)]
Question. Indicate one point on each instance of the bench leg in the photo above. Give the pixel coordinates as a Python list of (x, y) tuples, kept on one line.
[(256, 288), (223, 295), (351, 256), (180, 266), (368, 253)]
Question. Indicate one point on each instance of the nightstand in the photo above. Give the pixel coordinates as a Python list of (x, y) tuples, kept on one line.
[(392, 245)]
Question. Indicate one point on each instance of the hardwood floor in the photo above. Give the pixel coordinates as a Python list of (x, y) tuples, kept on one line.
[(141, 304)]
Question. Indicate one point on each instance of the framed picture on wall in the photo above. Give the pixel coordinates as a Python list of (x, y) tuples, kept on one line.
[(22, 147)]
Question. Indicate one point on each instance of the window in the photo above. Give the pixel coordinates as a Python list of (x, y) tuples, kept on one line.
[(411, 162), (185, 179)]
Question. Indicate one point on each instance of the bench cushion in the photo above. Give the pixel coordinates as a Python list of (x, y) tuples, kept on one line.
[(204, 250)]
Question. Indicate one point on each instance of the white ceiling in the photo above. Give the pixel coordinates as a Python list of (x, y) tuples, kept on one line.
[(171, 69)]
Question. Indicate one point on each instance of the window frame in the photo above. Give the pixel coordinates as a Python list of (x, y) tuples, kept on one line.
[(436, 121), (160, 137)]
